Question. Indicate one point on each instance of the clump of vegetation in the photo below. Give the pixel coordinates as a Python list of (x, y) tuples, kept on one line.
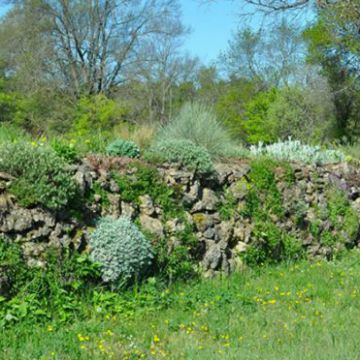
[(66, 150), (146, 181), (121, 249), (121, 147), (96, 113), (41, 177), (294, 150), (41, 293), (198, 123), (184, 152)]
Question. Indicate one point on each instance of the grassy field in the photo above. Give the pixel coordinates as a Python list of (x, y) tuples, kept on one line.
[(301, 311)]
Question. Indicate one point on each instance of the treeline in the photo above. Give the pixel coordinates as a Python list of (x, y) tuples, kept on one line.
[(75, 67)]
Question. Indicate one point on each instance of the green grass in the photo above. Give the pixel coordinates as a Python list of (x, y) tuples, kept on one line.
[(352, 151), (301, 311)]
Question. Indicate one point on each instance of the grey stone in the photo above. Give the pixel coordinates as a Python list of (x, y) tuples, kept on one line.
[(208, 202), (19, 220), (209, 233), (146, 205), (115, 205), (113, 186), (191, 196), (240, 248), (202, 221), (174, 226), (128, 210), (212, 258), (152, 225)]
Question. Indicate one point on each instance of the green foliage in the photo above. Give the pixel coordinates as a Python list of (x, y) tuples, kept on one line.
[(228, 206), (39, 294), (12, 133), (263, 181), (198, 123), (306, 114), (232, 103), (12, 269), (256, 124), (121, 147), (97, 113), (333, 44), (8, 106), (97, 189), (183, 152), (178, 263), (229, 317), (65, 150), (121, 249), (41, 176), (343, 217), (264, 203), (146, 181)]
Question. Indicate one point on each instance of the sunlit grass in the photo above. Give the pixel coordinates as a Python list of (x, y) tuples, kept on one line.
[(301, 311)]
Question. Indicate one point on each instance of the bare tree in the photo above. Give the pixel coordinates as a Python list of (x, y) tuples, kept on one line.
[(91, 43)]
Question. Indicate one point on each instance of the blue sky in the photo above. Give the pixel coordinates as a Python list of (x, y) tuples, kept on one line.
[(211, 25)]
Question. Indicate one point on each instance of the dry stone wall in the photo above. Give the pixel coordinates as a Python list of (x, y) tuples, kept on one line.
[(215, 207)]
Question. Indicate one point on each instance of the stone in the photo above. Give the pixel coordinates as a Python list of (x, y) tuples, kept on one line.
[(152, 225), (225, 231), (239, 189), (209, 233), (146, 205), (240, 248), (114, 205), (113, 186), (128, 210), (177, 176), (6, 201), (84, 177), (174, 226), (202, 221), (208, 202), (18, 220), (191, 196), (212, 258)]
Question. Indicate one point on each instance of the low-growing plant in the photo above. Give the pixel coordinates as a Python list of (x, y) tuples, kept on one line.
[(183, 152), (146, 181), (121, 249), (41, 175), (55, 290), (121, 147), (178, 263), (65, 150), (294, 150)]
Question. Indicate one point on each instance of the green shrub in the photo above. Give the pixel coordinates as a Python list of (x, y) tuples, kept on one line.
[(184, 152), (65, 150), (256, 122), (146, 181), (198, 123), (177, 264), (11, 133), (121, 249), (56, 291), (304, 114), (97, 113), (121, 147), (41, 175)]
